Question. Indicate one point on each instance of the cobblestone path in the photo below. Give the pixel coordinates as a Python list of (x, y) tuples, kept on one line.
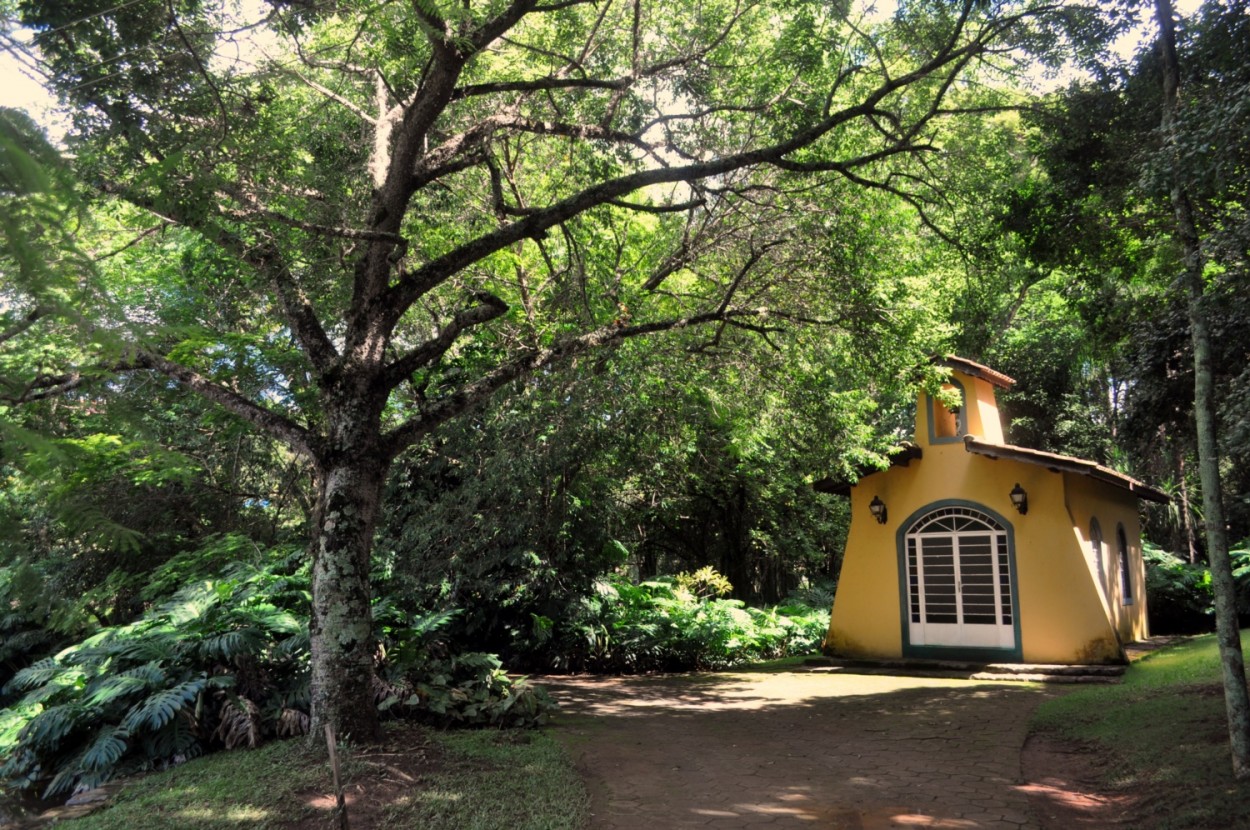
[(799, 749)]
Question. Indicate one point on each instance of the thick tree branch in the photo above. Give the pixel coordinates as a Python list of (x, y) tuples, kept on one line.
[(540, 85), (33, 316), (946, 63), (431, 350), (337, 98), (279, 426), (472, 394), (268, 262), (297, 309), (427, 174), (41, 387)]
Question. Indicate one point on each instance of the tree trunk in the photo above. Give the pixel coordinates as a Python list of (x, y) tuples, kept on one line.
[(1187, 521), (736, 564), (1236, 700), (348, 498)]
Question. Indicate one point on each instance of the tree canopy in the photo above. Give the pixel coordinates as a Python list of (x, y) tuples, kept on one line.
[(496, 297)]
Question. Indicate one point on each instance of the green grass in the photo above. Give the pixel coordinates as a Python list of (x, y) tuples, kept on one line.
[(1165, 732), (471, 780), (492, 780), (226, 791)]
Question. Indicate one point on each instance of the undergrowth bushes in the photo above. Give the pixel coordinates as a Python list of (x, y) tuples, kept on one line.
[(668, 624), (223, 663), (1180, 597)]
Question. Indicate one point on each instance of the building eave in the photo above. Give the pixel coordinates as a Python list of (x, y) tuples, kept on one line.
[(900, 456), (1067, 464), (976, 370)]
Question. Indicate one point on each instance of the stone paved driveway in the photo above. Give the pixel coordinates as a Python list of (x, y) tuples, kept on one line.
[(798, 749)]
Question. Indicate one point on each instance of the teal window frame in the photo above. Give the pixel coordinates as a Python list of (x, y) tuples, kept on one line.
[(965, 653)]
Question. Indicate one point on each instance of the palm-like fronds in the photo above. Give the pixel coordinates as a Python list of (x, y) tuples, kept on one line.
[(106, 750), (291, 722), (150, 693), (152, 713), (39, 674), (52, 724)]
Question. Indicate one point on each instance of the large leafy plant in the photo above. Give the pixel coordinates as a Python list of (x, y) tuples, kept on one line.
[(222, 663), (661, 625), (1179, 593)]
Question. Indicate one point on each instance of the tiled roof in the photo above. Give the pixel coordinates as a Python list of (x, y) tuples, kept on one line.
[(976, 370), (1064, 463)]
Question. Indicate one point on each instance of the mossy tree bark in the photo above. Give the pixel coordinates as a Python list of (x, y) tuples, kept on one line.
[(349, 493)]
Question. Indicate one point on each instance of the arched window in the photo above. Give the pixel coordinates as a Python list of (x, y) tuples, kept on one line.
[(1126, 579), (1095, 546)]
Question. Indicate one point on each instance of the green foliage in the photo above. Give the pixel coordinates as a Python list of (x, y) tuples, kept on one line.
[(647, 462), (421, 677), (223, 663), (469, 689), (658, 626), (1179, 594), (703, 584), (1094, 212), (157, 691)]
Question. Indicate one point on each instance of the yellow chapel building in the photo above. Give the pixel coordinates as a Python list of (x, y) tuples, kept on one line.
[(968, 548)]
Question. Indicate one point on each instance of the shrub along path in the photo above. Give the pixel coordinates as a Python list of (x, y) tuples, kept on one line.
[(799, 749)]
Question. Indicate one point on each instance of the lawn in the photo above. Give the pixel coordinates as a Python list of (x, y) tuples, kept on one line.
[(419, 778), (1165, 735)]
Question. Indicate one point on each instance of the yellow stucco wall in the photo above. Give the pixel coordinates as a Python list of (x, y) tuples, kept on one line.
[(983, 419), (1114, 508), (1063, 615)]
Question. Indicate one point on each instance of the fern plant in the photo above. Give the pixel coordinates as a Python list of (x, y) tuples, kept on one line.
[(419, 679), (165, 688), (664, 625), (223, 663)]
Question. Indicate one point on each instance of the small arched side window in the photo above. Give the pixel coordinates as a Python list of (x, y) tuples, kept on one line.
[(1126, 580), (1095, 545)]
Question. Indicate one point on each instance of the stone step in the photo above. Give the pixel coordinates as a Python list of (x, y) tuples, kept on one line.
[(1018, 672)]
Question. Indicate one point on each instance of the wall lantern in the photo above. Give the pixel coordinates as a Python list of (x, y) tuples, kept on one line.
[(1020, 499), (877, 506)]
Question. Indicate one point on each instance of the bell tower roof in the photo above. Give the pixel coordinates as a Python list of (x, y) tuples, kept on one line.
[(976, 411), (975, 370)]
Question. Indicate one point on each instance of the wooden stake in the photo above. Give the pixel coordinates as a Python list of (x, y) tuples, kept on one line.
[(338, 787)]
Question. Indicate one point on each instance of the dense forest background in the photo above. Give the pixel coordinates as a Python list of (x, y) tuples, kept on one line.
[(647, 503)]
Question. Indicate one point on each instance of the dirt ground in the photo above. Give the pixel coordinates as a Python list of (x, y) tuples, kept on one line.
[(789, 749), (801, 749)]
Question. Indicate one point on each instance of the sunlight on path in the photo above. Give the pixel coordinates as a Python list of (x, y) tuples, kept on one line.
[(798, 749)]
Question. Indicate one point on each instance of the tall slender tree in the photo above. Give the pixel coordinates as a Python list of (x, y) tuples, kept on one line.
[(1192, 281)]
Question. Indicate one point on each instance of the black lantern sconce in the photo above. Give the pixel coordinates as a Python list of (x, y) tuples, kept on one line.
[(877, 507), (1020, 499)]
